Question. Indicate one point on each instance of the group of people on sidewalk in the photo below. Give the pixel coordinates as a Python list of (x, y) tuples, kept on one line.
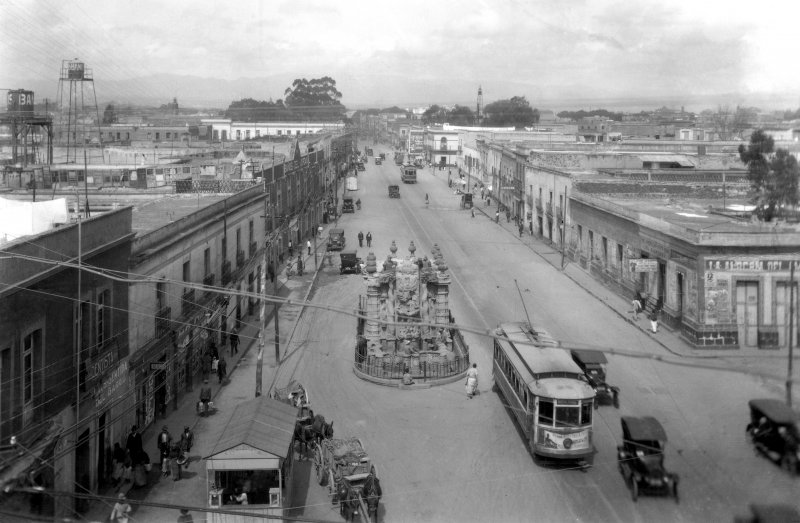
[(361, 238)]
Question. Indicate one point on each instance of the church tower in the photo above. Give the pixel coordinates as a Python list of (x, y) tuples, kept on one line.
[(479, 108)]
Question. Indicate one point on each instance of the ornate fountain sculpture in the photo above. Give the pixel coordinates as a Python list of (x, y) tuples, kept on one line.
[(407, 314)]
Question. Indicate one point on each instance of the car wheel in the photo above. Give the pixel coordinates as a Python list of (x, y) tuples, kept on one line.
[(789, 463), (634, 489)]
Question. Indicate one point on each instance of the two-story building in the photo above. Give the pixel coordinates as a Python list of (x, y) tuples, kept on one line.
[(442, 146), (64, 353)]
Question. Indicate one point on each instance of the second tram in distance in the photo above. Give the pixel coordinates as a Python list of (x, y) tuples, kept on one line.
[(546, 391)]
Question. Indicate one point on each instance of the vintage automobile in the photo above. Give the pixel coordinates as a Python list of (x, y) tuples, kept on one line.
[(360, 166), (773, 430), (336, 240), (347, 205), (641, 458), (378, 160), (349, 261), (382, 156), (394, 191), (466, 201), (593, 364)]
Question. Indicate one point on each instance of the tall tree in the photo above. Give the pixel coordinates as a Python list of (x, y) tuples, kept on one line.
[(109, 115), (435, 114), (461, 115), (516, 111), (315, 98), (774, 181)]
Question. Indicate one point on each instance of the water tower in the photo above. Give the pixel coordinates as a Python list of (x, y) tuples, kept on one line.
[(31, 134), (78, 127)]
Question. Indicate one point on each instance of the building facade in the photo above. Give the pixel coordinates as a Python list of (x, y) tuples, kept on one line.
[(442, 147), (227, 129), (64, 352)]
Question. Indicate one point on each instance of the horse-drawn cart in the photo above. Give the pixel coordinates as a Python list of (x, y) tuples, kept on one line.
[(343, 466)]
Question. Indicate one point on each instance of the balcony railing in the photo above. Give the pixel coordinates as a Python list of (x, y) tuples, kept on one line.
[(226, 272), (239, 259), (188, 302), (163, 321)]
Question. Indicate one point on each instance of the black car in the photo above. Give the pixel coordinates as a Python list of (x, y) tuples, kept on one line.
[(773, 430), (593, 364), (349, 262), (641, 458)]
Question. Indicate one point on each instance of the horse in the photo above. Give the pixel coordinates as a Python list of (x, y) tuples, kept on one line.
[(347, 497), (371, 492), (321, 429), (303, 434)]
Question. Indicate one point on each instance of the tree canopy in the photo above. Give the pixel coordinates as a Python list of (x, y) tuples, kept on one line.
[(577, 115), (516, 111), (250, 110), (773, 180), (317, 98), (109, 115)]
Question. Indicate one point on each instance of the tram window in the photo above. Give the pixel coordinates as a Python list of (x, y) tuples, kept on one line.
[(567, 416), (545, 412), (586, 412)]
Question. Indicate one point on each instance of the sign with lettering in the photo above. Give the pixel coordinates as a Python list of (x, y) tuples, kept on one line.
[(751, 265), (99, 366), (643, 265), (158, 365), (112, 385)]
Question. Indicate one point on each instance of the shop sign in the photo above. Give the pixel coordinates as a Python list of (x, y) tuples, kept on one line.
[(752, 265), (643, 265), (653, 247), (158, 365), (100, 365), (111, 386)]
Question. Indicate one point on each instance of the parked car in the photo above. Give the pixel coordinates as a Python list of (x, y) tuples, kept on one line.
[(336, 240), (347, 205)]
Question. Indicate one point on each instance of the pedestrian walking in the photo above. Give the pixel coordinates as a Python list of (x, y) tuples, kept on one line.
[(174, 466), (508, 216), (308, 244), (360, 239), (299, 265), (185, 517), (473, 212), (654, 321), (497, 216), (636, 303), (369, 239), (472, 381), (521, 229), (222, 369), (271, 272), (134, 445), (164, 446), (234, 339), (291, 249), (121, 510)]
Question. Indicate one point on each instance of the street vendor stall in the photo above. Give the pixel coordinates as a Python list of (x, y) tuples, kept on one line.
[(250, 466)]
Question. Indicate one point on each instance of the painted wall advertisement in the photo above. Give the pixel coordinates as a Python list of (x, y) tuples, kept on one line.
[(717, 298)]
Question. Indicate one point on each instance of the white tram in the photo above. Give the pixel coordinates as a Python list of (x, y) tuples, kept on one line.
[(546, 391)]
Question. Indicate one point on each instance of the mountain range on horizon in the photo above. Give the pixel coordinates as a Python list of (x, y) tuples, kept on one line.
[(359, 92)]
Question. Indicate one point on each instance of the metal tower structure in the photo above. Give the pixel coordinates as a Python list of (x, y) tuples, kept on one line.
[(31, 134), (78, 120)]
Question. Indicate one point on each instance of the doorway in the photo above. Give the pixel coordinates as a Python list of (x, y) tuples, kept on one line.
[(679, 294), (782, 312), (747, 313)]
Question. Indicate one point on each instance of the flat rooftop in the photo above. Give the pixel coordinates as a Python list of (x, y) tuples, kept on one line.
[(153, 214)]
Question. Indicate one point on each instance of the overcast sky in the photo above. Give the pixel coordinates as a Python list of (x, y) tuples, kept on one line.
[(387, 52)]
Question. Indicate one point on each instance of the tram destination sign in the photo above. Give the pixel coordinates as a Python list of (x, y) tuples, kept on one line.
[(643, 265)]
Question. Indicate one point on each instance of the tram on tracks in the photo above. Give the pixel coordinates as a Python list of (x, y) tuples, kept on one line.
[(547, 393)]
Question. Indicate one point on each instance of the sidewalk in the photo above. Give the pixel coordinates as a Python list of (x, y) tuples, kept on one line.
[(768, 362), (190, 490)]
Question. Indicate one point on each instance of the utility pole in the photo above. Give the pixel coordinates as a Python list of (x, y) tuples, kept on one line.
[(563, 227), (263, 305), (791, 336)]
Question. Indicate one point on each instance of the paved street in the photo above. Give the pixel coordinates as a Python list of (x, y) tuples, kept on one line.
[(441, 457)]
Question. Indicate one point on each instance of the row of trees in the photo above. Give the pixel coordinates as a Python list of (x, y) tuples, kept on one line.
[(577, 115), (516, 112)]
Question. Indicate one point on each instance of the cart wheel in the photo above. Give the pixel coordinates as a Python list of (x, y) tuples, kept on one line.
[(634, 489)]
